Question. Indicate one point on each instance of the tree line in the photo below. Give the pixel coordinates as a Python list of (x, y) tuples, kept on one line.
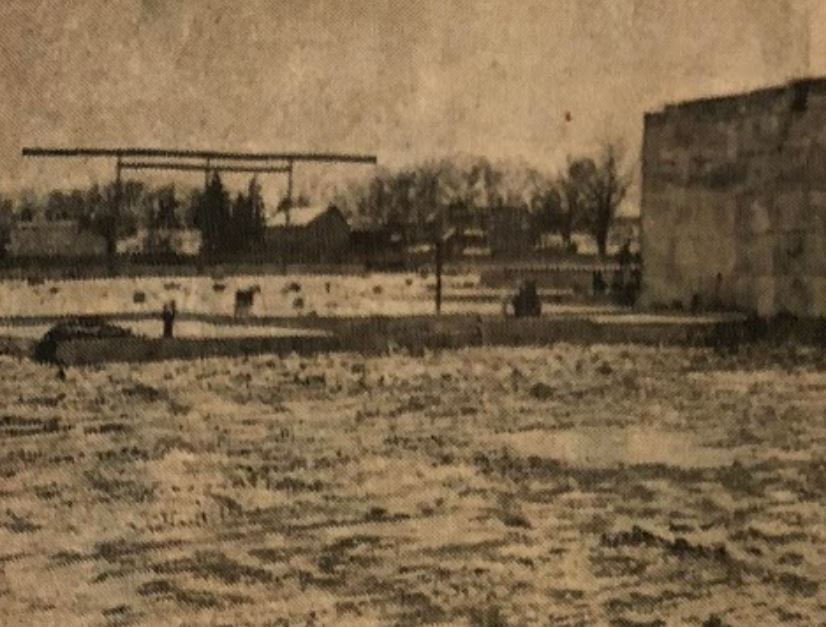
[(227, 225), (584, 196)]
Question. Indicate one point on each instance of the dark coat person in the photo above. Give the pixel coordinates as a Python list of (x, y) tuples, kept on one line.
[(526, 302), (168, 316)]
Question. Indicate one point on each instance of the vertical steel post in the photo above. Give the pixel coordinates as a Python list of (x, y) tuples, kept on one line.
[(114, 221), (289, 192)]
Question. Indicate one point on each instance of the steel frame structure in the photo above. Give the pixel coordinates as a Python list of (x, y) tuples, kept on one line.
[(207, 161)]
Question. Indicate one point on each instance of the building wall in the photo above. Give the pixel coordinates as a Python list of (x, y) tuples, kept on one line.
[(330, 237), (734, 201), (324, 240), (59, 238)]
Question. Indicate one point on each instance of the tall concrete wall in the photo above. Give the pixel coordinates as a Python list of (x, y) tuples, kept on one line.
[(734, 201)]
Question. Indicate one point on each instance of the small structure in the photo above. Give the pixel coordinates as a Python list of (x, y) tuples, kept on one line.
[(244, 301), (54, 238), (308, 235)]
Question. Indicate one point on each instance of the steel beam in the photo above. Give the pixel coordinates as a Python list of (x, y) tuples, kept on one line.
[(195, 167), (199, 154)]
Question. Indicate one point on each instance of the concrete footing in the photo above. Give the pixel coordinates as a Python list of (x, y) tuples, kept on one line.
[(380, 334)]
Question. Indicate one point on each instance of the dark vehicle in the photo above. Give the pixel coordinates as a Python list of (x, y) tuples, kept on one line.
[(526, 302), (83, 328)]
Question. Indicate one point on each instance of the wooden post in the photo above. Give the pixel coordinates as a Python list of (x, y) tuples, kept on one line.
[(439, 255)]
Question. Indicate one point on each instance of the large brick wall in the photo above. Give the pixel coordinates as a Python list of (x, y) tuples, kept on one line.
[(734, 201)]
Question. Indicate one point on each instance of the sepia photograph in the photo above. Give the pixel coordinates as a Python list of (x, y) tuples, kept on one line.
[(475, 313)]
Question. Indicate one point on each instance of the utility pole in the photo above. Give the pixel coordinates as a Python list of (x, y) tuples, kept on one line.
[(438, 238), (439, 262)]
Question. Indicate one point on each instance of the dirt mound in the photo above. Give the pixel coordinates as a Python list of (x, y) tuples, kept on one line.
[(83, 328)]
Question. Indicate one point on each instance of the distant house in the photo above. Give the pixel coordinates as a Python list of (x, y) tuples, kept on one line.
[(308, 235), (473, 242), (624, 229), (162, 241), (510, 232), (378, 246), (54, 238), (585, 243)]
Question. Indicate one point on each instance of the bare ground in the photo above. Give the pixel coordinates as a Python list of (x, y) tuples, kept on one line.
[(560, 486)]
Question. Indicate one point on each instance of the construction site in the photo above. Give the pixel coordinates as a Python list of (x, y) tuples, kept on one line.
[(441, 387), (401, 449), (404, 448)]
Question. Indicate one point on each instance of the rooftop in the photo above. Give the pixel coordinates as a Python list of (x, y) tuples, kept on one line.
[(299, 216), (795, 89)]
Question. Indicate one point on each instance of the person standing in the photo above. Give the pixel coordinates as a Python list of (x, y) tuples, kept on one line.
[(168, 316)]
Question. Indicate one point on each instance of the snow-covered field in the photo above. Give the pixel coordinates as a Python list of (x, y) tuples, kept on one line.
[(386, 294), (554, 486)]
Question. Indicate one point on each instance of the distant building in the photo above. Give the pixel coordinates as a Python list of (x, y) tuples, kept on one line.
[(378, 246), (473, 242), (734, 201), (55, 238), (579, 243), (162, 241), (308, 235), (623, 229), (510, 232), (584, 243)]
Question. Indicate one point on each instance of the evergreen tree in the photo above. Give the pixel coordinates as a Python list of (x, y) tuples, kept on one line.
[(167, 216), (247, 221), (213, 216), (257, 214), (239, 231)]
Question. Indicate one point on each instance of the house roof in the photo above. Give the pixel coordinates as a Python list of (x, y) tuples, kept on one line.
[(299, 216)]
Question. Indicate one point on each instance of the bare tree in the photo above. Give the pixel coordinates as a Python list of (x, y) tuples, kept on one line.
[(609, 185), (577, 197), (548, 211), (593, 190)]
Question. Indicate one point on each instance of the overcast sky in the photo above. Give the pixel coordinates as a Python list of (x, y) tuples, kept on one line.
[(404, 79)]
